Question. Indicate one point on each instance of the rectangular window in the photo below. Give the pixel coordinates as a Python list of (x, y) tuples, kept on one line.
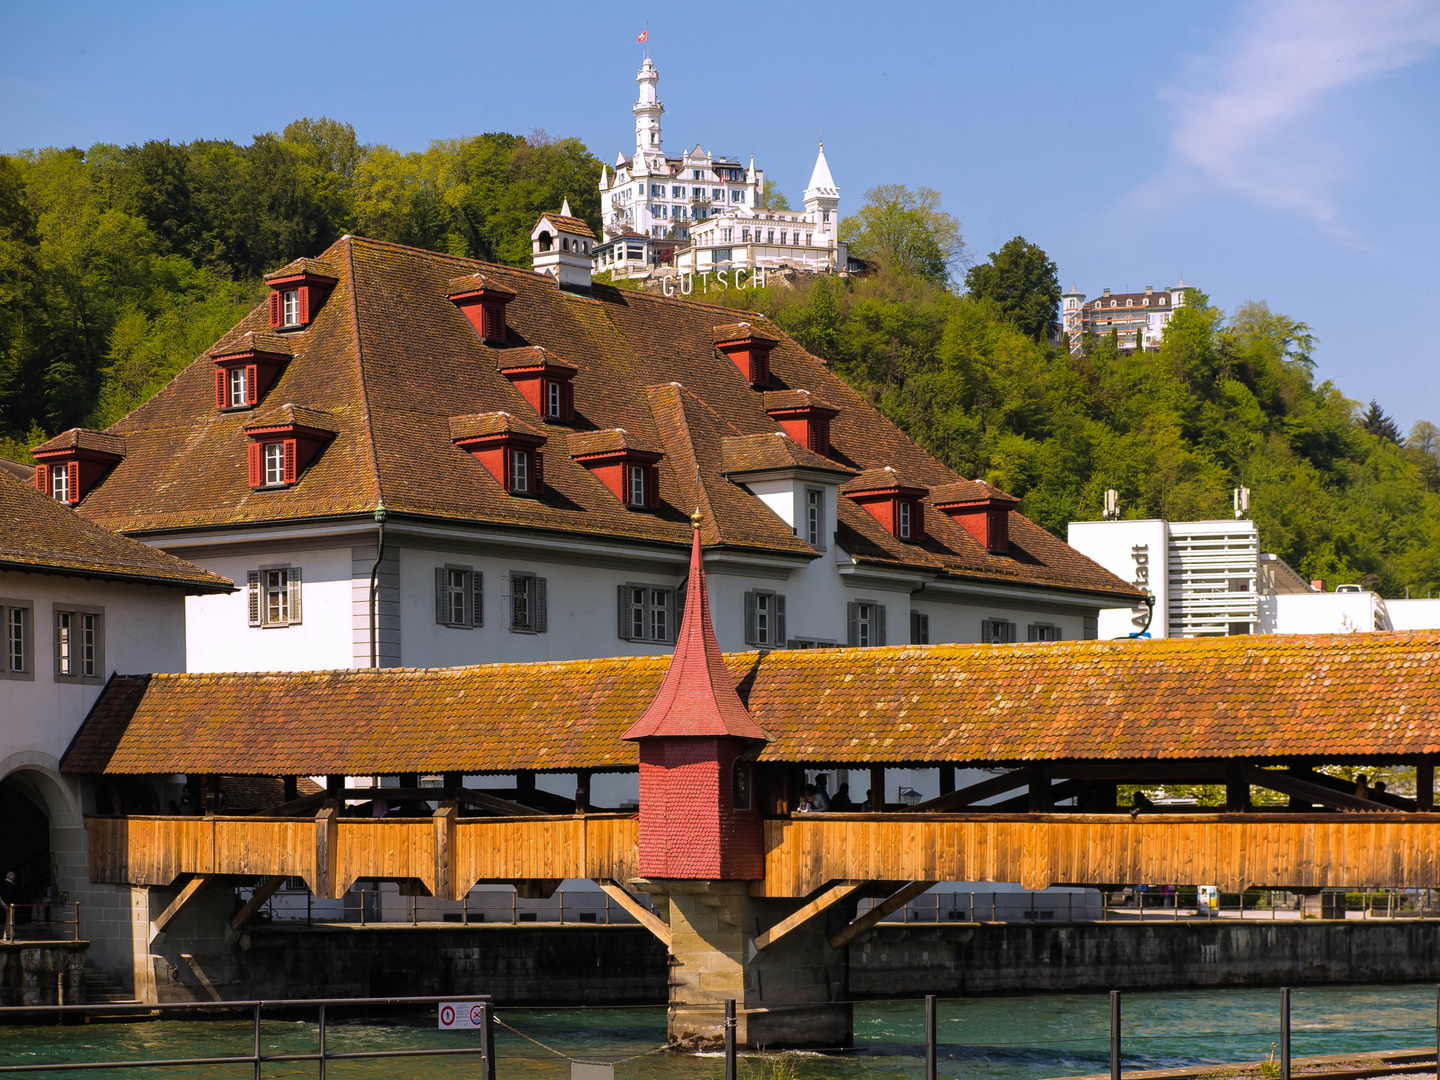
[(744, 236), (815, 518), (997, 632), (865, 623), (528, 613), (1042, 632), (718, 193), (645, 614), (60, 482), (65, 643), (764, 619), (825, 216), (18, 649), (552, 399), (919, 628), (274, 464), (904, 521), (782, 236), (274, 593), (807, 238), (771, 236), (239, 391), (459, 599), (292, 307), (636, 486), (78, 645), (519, 471)]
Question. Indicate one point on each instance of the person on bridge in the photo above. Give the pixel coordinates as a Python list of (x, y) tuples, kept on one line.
[(841, 803), (819, 801)]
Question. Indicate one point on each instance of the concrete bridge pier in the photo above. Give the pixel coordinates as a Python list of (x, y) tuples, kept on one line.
[(788, 993)]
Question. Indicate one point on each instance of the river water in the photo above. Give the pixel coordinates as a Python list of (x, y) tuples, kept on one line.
[(999, 1038)]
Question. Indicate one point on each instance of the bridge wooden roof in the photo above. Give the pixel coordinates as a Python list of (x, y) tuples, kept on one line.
[(1353, 696)]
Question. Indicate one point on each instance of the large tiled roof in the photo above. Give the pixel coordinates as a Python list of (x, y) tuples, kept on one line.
[(393, 360), (1364, 696), (37, 533)]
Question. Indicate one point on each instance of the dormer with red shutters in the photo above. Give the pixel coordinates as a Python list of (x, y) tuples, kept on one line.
[(981, 510), (805, 418), (749, 350), (297, 290), (508, 448), (627, 467), (246, 367), (897, 506), (543, 379), (481, 300), (283, 442), (70, 464)]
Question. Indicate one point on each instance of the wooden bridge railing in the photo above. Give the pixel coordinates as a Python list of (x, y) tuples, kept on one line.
[(449, 854), (1037, 850)]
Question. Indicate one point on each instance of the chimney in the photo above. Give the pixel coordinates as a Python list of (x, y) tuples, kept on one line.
[(1149, 289), (1105, 292), (1318, 584)]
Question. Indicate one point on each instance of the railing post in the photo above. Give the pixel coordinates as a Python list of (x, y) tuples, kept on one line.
[(257, 1040), (729, 1039), (1114, 1035), (10, 922), (77, 921), (322, 1042), (487, 1041), (929, 1037), (1284, 1033)]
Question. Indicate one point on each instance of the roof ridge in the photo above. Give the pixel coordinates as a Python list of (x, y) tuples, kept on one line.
[(686, 455), (367, 424)]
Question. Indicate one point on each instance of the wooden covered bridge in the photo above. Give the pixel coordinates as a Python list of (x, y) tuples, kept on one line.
[(754, 901)]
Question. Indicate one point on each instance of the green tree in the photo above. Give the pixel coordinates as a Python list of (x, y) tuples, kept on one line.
[(905, 232), (772, 198), (1023, 284), (1375, 422)]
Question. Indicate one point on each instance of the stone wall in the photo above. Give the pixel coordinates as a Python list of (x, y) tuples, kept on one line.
[(37, 973), (938, 959)]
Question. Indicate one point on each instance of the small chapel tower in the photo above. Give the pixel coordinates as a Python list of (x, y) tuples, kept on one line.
[(822, 202), (561, 246), (647, 111), (698, 815)]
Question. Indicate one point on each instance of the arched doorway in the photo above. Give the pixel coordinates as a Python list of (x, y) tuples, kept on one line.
[(25, 839)]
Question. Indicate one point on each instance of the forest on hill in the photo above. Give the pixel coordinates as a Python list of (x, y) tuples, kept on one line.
[(119, 265)]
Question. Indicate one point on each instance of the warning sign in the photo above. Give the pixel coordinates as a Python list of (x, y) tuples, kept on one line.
[(460, 1015)]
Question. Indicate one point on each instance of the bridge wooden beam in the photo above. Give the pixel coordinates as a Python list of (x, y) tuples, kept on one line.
[(1289, 784), (893, 903), (188, 893), (643, 915), (257, 901), (985, 789), (829, 897)]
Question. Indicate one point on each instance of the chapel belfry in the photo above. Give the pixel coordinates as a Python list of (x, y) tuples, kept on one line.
[(648, 110)]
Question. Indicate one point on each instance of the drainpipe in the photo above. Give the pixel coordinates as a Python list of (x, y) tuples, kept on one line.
[(1144, 631), (380, 515)]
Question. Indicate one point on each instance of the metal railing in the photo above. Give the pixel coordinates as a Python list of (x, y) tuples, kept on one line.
[(46, 921), (366, 904), (257, 1057)]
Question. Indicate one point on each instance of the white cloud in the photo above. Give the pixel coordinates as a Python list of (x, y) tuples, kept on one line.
[(1241, 113)]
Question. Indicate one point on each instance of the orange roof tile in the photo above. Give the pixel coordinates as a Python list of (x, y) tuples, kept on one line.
[(1357, 696), (308, 267), (83, 439)]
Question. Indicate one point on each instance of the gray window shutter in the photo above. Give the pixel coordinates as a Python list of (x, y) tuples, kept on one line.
[(1009, 633), (442, 595), (852, 623), (985, 632), (1032, 633), (295, 610), (777, 639), (252, 580), (1057, 635), (477, 598), (1092, 627), (879, 624), (622, 607), (542, 614), (750, 619)]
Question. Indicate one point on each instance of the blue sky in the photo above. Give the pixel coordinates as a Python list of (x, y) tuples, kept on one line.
[(1283, 150)]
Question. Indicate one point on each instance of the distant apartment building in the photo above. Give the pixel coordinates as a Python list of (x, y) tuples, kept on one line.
[(1210, 579), (1138, 319)]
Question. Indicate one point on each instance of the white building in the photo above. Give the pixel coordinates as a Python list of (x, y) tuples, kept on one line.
[(1138, 319), (77, 603), (1210, 579), (700, 213)]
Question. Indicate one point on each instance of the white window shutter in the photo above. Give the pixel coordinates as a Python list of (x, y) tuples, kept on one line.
[(296, 612), (542, 613), (477, 598), (252, 581), (442, 595)]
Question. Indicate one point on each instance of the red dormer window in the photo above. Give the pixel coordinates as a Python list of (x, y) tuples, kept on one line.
[(296, 292), (283, 444), (898, 508), (629, 470), (803, 417), (544, 381), (244, 374), (981, 510), (749, 350), (508, 448), (69, 465), (482, 302)]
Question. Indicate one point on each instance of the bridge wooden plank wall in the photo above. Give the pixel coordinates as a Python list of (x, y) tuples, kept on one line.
[(447, 854), (1232, 851)]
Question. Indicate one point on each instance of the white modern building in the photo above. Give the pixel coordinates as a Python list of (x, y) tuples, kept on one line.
[(1138, 319), (698, 213), (1210, 579)]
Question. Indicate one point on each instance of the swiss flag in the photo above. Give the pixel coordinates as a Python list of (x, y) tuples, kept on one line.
[(644, 35)]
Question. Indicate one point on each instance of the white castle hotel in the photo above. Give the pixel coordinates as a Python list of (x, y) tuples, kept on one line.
[(700, 214)]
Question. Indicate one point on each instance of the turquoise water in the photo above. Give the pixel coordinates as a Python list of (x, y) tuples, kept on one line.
[(1000, 1038)]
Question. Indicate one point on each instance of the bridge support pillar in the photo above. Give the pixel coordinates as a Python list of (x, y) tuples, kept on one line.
[(789, 994)]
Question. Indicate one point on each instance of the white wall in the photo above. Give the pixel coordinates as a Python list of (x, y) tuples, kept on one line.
[(1414, 614), (1134, 551), (218, 634), (1318, 613)]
